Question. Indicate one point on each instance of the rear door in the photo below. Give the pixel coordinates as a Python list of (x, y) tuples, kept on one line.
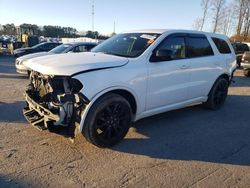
[(204, 67)]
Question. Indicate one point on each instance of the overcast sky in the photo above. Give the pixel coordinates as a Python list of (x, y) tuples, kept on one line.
[(128, 14)]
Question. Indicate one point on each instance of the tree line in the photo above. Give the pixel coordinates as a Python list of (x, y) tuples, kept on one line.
[(47, 31), (219, 16)]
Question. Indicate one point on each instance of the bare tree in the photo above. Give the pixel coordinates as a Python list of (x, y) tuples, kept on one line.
[(246, 20), (228, 19), (217, 8), (242, 8), (197, 24), (205, 4), (9, 29)]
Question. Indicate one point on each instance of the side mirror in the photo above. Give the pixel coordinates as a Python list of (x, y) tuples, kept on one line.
[(164, 55)]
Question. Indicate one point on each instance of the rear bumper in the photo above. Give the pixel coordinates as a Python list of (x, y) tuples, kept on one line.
[(245, 65)]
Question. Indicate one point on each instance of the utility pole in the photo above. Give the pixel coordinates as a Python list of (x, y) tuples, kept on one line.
[(114, 26), (93, 16)]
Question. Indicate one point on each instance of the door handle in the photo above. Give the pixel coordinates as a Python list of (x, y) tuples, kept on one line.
[(184, 67)]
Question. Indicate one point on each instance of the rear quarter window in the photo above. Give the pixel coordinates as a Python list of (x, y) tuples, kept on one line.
[(222, 46), (245, 47), (199, 47)]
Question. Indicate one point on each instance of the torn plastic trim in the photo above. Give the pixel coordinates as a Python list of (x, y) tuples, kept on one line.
[(59, 108), (40, 109)]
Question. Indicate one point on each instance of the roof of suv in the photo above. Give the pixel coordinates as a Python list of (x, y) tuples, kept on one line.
[(80, 43), (161, 31)]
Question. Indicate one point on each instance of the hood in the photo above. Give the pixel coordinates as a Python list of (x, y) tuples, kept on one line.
[(29, 56), (73, 63)]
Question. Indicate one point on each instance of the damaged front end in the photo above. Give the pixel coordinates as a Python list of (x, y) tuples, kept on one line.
[(54, 103)]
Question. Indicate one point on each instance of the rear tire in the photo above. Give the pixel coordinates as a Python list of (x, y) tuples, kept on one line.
[(217, 95), (108, 120)]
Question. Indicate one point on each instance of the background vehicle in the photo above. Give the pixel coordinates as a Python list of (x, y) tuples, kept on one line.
[(239, 49), (246, 63), (42, 47), (128, 77), (74, 47)]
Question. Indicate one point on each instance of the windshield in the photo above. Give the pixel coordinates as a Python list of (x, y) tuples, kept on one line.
[(126, 45), (60, 49)]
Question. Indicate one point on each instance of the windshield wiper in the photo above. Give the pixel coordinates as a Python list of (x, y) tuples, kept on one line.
[(105, 53), (109, 53)]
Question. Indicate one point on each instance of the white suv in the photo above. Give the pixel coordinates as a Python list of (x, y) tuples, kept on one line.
[(128, 77)]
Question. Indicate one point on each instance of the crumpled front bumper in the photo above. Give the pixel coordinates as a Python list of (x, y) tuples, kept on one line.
[(37, 115)]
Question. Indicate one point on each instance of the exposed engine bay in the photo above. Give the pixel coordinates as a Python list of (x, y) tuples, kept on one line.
[(54, 103)]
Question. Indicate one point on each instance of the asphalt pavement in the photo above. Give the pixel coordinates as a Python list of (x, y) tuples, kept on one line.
[(190, 147)]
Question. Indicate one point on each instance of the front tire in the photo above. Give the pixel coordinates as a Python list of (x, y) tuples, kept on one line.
[(217, 95), (108, 120)]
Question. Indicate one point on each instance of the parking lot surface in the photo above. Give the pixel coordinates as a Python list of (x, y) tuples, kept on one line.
[(191, 147)]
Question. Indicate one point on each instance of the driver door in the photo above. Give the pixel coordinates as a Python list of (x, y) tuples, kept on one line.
[(168, 80)]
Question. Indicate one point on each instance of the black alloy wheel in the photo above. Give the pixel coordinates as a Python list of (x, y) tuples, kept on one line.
[(218, 94), (108, 120)]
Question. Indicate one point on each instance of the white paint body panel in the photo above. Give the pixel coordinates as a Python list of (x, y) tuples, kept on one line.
[(71, 63), (156, 87), (19, 61)]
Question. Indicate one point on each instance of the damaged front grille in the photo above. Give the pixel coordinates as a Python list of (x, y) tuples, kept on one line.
[(54, 103)]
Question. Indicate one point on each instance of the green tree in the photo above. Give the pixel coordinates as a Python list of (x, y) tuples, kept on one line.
[(30, 29), (9, 29)]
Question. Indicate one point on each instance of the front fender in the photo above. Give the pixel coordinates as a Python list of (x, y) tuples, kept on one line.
[(98, 95)]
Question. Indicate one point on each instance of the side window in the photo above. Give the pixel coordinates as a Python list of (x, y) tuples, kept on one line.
[(199, 47), (78, 49), (176, 45), (43, 47), (89, 47), (222, 46), (245, 47), (55, 45), (47, 46), (51, 46)]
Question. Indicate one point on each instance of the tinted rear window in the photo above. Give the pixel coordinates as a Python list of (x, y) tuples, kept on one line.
[(199, 47), (243, 47), (222, 46)]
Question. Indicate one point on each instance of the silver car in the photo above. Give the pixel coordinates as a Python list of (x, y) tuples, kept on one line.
[(75, 47)]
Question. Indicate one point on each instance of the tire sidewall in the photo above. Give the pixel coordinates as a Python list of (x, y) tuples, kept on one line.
[(89, 130), (211, 100)]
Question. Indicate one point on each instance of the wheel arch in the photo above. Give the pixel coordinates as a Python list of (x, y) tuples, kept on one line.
[(129, 95), (225, 76)]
